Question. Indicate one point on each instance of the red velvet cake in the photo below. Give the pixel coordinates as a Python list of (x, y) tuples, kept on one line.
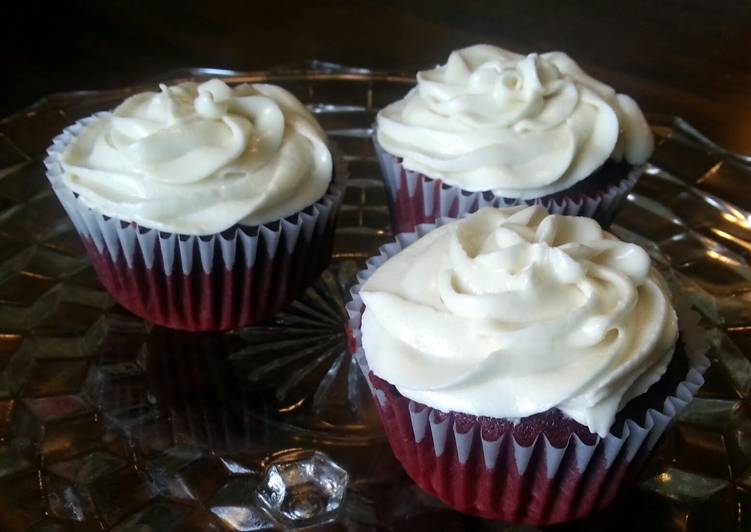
[(493, 128), (202, 206), (524, 364)]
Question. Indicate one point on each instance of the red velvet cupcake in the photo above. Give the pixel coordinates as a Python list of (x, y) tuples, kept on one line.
[(524, 364), (202, 207), (495, 128)]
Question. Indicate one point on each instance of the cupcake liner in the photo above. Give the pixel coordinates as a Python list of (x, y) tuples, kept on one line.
[(415, 198), (200, 283), (498, 477)]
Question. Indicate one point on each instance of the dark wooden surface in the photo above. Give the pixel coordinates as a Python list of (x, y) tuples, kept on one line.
[(686, 57)]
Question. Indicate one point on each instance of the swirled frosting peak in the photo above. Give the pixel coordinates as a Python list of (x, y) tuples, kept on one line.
[(512, 312), (523, 126), (197, 159)]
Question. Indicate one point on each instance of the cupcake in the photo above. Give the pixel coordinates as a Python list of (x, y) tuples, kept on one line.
[(496, 128), (524, 363), (202, 206)]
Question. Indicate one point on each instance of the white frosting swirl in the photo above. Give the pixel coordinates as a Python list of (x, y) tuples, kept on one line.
[(521, 126), (512, 312), (197, 159)]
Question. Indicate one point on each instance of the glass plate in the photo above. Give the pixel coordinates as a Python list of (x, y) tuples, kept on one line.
[(107, 421)]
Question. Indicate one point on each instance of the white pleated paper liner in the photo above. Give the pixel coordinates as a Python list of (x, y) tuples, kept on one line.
[(415, 198), (501, 477), (200, 283)]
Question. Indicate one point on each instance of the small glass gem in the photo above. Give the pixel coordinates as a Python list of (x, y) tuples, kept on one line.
[(303, 490)]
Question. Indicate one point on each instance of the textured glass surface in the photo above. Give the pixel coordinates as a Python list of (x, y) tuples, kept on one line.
[(107, 421)]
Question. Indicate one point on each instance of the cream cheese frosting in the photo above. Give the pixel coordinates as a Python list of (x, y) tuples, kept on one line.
[(522, 126), (199, 158), (512, 312)]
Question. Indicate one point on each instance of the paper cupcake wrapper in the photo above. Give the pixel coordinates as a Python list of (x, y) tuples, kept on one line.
[(200, 283), (503, 478), (415, 198)]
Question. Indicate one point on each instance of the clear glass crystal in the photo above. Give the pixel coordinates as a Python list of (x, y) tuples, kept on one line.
[(305, 490)]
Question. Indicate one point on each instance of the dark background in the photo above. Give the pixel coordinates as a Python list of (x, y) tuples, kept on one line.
[(685, 57)]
